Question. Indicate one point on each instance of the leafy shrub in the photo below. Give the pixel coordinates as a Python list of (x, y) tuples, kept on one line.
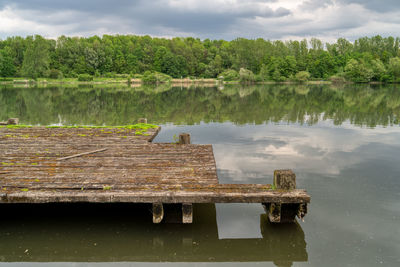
[(229, 75), (337, 79), (110, 75), (358, 71), (123, 76), (259, 78), (246, 75), (54, 74), (302, 76), (155, 77), (277, 77), (264, 74), (85, 78)]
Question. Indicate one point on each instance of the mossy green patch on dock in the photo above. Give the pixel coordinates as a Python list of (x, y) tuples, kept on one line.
[(138, 126)]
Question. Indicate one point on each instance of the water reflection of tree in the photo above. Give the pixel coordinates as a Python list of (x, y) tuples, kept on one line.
[(360, 104)]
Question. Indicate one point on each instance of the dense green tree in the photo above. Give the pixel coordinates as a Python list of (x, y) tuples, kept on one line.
[(394, 69), (379, 72), (36, 58), (7, 67)]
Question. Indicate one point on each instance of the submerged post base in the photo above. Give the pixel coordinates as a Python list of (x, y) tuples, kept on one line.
[(158, 212), (285, 212)]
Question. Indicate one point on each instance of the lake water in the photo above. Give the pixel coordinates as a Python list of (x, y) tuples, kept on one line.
[(342, 142)]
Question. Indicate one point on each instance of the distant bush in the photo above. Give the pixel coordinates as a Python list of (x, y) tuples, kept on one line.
[(277, 76), (110, 75), (6, 79), (229, 75), (358, 71), (259, 78), (85, 78), (54, 74), (337, 79), (246, 75), (123, 76), (302, 76), (263, 75), (155, 77)]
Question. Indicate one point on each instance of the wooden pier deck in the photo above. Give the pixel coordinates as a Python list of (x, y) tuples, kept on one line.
[(120, 164)]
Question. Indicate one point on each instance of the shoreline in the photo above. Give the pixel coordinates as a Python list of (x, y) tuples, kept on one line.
[(175, 82)]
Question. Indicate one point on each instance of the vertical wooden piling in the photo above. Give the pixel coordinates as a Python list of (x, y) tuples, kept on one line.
[(184, 138), (187, 208), (274, 212), (158, 212), (187, 213), (282, 213), (13, 121), (284, 179), (142, 120)]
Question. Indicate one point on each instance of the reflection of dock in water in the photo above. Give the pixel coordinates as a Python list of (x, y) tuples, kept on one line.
[(106, 233)]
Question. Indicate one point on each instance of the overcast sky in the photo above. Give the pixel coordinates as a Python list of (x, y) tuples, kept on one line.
[(214, 19)]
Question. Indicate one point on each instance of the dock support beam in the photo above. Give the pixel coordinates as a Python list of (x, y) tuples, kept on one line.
[(187, 213), (158, 212)]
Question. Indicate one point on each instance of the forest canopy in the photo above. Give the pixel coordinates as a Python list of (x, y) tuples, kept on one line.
[(364, 60)]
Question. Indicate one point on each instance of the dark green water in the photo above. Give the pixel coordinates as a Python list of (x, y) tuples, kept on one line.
[(342, 142)]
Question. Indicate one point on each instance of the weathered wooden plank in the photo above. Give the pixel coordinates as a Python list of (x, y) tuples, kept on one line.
[(60, 135), (152, 195)]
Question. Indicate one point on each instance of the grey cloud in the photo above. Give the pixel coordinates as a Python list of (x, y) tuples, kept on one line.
[(142, 17), (377, 5), (373, 5), (250, 19)]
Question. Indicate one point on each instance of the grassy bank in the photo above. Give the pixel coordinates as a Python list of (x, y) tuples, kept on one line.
[(174, 82)]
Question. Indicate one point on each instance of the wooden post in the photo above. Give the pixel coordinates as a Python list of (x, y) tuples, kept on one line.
[(274, 212), (158, 212), (13, 121), (187, 213), (142, 120), (302, 211), (283, 213), (184, 138), (284, 179)]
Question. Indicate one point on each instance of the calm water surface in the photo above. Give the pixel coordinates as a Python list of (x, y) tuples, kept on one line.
[(342, 142)]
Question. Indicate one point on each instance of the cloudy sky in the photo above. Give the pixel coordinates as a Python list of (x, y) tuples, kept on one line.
[(215, 19)]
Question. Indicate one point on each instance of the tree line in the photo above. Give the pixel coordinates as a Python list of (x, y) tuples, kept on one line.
[(366, 59)]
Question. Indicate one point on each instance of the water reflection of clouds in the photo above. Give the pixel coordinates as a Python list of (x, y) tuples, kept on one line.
[(251, 153), (322, 148)]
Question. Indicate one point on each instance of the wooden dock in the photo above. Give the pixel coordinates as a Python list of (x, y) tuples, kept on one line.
[(120, 164)]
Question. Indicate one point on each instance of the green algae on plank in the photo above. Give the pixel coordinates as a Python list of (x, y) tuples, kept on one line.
[(16, 126), (141, 126)]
